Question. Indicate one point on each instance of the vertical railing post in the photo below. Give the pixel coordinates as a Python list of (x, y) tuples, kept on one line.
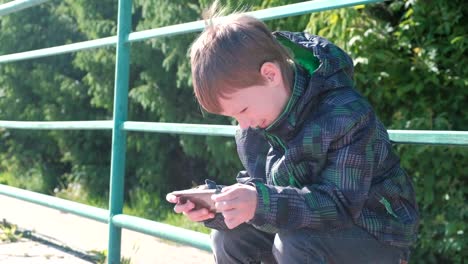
[(122, 66)]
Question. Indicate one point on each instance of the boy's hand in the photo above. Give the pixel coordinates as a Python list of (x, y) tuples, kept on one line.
[(187, 209), (237, 203)]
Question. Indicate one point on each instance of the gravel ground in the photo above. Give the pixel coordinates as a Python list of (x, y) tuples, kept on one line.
[(64, 238)]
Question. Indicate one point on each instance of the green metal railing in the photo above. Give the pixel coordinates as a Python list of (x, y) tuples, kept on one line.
[(119, 124)]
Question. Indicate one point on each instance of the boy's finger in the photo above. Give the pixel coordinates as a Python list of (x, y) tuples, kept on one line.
[(171, 198), (232, 222), (224, 205), (185, 207), (230, 187), (199, 215), (203, 218), (225, 195), (227, 188), (230, 214)]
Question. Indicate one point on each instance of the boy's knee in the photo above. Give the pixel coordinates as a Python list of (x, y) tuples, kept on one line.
[(243, 244), (225, 239), (220, 240), (287, 243), (228, 246), (223, 246), (296, 246)]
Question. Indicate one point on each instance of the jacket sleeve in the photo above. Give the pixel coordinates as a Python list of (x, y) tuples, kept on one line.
[(252, 149), (337, 152)]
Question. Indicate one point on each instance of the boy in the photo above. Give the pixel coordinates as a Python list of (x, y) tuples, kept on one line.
[(326, 187)]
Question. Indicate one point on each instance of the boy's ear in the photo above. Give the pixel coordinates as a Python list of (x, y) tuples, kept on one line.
[(271, 72)]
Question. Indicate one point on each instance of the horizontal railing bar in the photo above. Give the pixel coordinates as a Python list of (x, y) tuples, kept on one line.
[(98, 214), (84, 45), (398, 136), (57, 125), (18, 5), (265, 14), (431, 137), (306, 7), (165, 231), (181, 128)]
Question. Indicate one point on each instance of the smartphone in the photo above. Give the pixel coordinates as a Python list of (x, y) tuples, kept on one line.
[(201, 198)]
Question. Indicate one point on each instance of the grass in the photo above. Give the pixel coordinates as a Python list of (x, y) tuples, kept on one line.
[(9, 232), (101, 257)]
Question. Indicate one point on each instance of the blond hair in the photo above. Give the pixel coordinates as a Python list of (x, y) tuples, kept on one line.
[(228, 56)]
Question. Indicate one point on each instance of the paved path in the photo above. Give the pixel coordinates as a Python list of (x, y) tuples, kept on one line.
[(27, 251), (85, 235)]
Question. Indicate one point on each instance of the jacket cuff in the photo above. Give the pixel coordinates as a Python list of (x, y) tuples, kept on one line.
[(263, 211)]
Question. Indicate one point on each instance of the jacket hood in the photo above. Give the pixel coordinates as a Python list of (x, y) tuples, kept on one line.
[(320, 66), (335, 69)]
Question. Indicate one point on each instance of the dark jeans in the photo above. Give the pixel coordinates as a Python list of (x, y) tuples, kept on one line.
[(245, 244)]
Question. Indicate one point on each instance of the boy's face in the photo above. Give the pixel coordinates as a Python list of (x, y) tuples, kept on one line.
[(257, 106)]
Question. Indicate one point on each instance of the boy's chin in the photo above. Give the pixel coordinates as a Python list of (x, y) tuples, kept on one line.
[(263, 125)]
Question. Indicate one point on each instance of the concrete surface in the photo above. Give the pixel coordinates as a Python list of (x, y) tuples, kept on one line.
[(30, 252)]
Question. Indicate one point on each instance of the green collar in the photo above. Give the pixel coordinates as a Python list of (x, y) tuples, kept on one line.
[(304, 58), (302, 55)]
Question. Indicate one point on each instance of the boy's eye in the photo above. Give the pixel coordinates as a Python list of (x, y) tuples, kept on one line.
[(243, 110)]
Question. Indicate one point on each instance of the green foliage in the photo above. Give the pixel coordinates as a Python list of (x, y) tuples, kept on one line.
[(408, 55), (9, 232), (100, 257)]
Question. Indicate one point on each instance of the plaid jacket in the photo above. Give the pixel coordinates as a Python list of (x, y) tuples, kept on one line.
[(328, 162)]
